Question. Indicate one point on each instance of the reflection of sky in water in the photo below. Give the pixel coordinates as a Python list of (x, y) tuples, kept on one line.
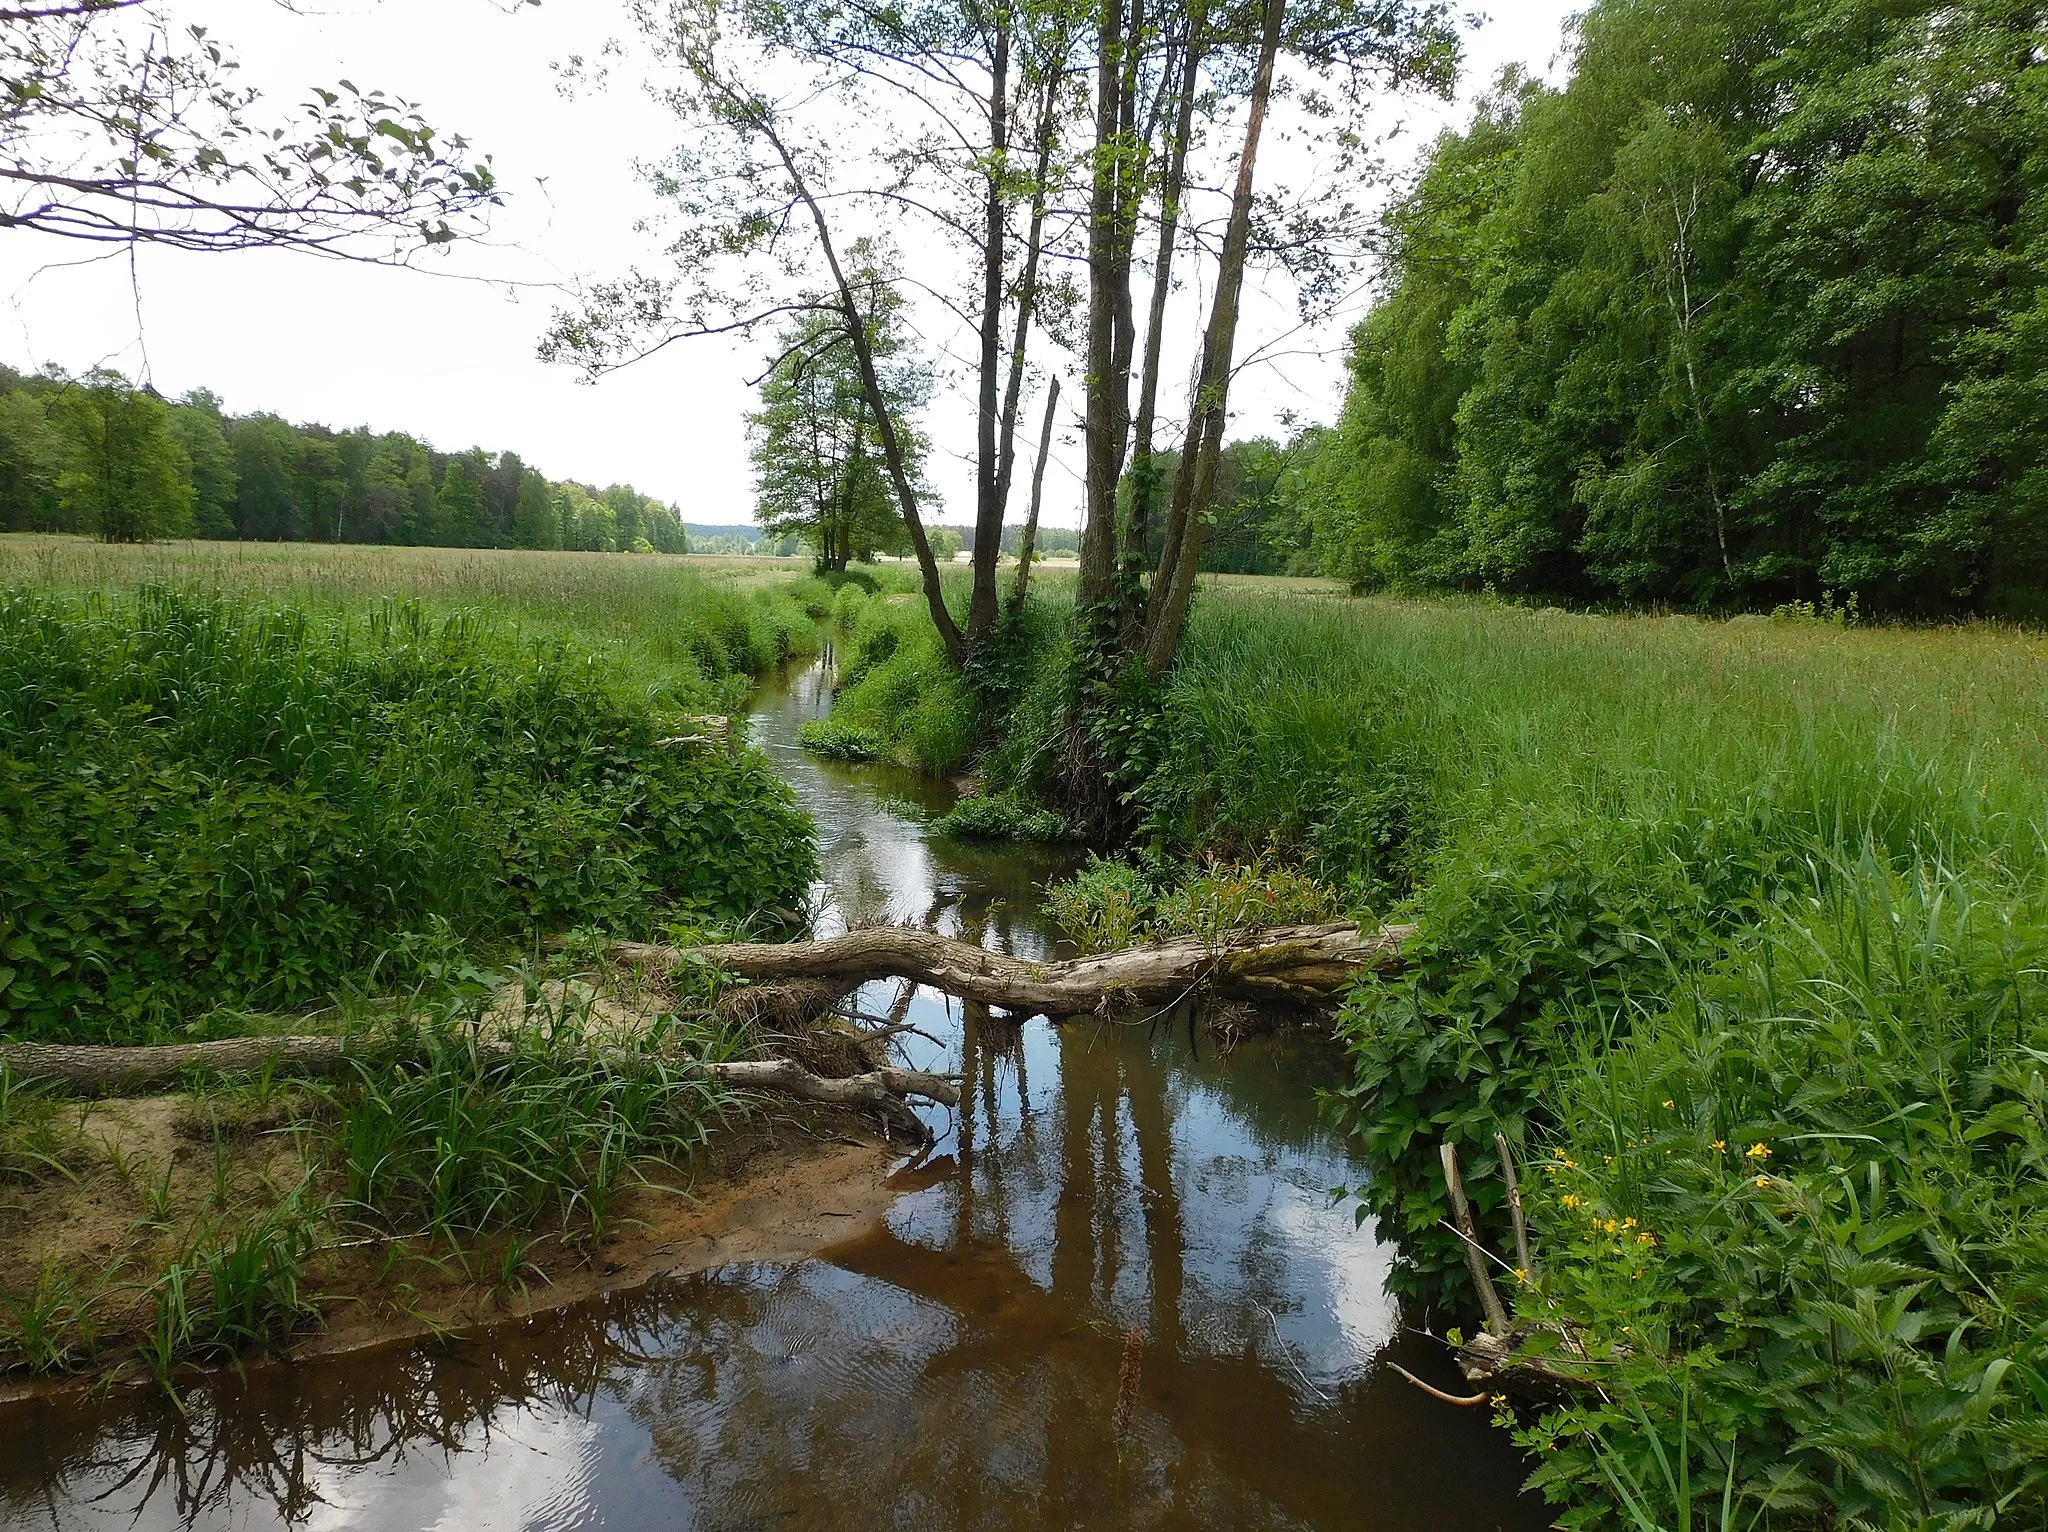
[(957, 1369)]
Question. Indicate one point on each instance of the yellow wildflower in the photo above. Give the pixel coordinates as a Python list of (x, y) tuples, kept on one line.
[(1720, 1145), (1758, 1151), (1572, 1199), (1669, 1105), (1763, 1180)]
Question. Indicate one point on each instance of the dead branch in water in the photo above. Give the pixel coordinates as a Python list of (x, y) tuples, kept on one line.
[(1305, 964)]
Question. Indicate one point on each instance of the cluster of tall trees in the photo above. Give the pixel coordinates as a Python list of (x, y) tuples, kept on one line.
[(1061, 171), (818, 467), (100, 456), (1754, 308)]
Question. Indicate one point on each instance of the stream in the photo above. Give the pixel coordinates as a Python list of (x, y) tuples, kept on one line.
[(957, 1368)]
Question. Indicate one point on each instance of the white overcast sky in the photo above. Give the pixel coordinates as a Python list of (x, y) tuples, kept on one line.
[(453, 360)]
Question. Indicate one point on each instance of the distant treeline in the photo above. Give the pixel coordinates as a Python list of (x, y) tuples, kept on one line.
[(99, 456), (1751, 310)]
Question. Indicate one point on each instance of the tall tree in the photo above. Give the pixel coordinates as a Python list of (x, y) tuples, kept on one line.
[(970, 99), (1739, 315), (125, 478), (817, 470), (535, 523), (460, 515), (197, 422), (31, 458)]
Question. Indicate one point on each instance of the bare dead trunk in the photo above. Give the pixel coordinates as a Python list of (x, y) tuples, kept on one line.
[(1309, 964), (1195, 485), (95, 1068), (1025, 543)]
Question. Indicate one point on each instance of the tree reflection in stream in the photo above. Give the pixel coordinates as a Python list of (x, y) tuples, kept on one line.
[(957, 1368)]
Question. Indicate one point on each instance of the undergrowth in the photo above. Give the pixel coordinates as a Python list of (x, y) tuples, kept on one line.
[(214, 806)]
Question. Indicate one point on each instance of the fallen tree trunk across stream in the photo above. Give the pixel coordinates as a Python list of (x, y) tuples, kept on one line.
[(1307, 964), (1297, 963)]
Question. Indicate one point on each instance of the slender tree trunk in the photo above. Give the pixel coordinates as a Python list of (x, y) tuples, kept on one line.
[(1195, 485), (988, 506), (1108, 392), (871, 383), (1027, 295), (1144, 469), (1030, 537)]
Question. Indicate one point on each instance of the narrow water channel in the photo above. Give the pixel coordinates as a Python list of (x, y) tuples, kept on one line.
[(957, 1369)]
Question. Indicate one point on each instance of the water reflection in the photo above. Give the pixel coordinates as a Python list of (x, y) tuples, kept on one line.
[(957, 1368)]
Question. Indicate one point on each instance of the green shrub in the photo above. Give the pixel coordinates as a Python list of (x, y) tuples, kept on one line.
[(1804, 1202), (1002, 819), (1112, 903), (837, 741), (210, 805)]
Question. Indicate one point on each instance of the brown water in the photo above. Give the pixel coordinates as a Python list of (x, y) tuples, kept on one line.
[(959, 1368)]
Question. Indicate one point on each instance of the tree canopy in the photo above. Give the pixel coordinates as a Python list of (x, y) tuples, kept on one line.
[(1751, 310), (100, 456), (818, 469)]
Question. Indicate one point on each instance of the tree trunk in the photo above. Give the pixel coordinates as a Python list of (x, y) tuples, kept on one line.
[(751, 113), (96, 1068), (1308, 964), (1024, 543), (1195, 485), (1027, 301), (1108, 407), (1144, 472), (988, 509)]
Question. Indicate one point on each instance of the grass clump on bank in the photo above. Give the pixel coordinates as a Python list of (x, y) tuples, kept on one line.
[(1114, 903), (218, 807), (1003, 819), (468, 1149), (463, 1130)]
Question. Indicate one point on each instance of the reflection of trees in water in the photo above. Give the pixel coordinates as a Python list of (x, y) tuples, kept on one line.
[(261, 1443)]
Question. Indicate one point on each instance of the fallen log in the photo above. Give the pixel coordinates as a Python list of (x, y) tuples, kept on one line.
[(1299, 963), (98, 1068)]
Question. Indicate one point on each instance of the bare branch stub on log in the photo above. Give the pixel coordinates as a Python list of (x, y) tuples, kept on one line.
[(1304, 964)]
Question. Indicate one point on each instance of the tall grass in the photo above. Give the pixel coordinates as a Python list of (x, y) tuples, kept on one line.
[(899, 695), (212, 805), (467, 1128), (691, 626)]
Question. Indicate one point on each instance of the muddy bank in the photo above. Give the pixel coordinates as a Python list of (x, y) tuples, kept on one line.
[(776, 1188)]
